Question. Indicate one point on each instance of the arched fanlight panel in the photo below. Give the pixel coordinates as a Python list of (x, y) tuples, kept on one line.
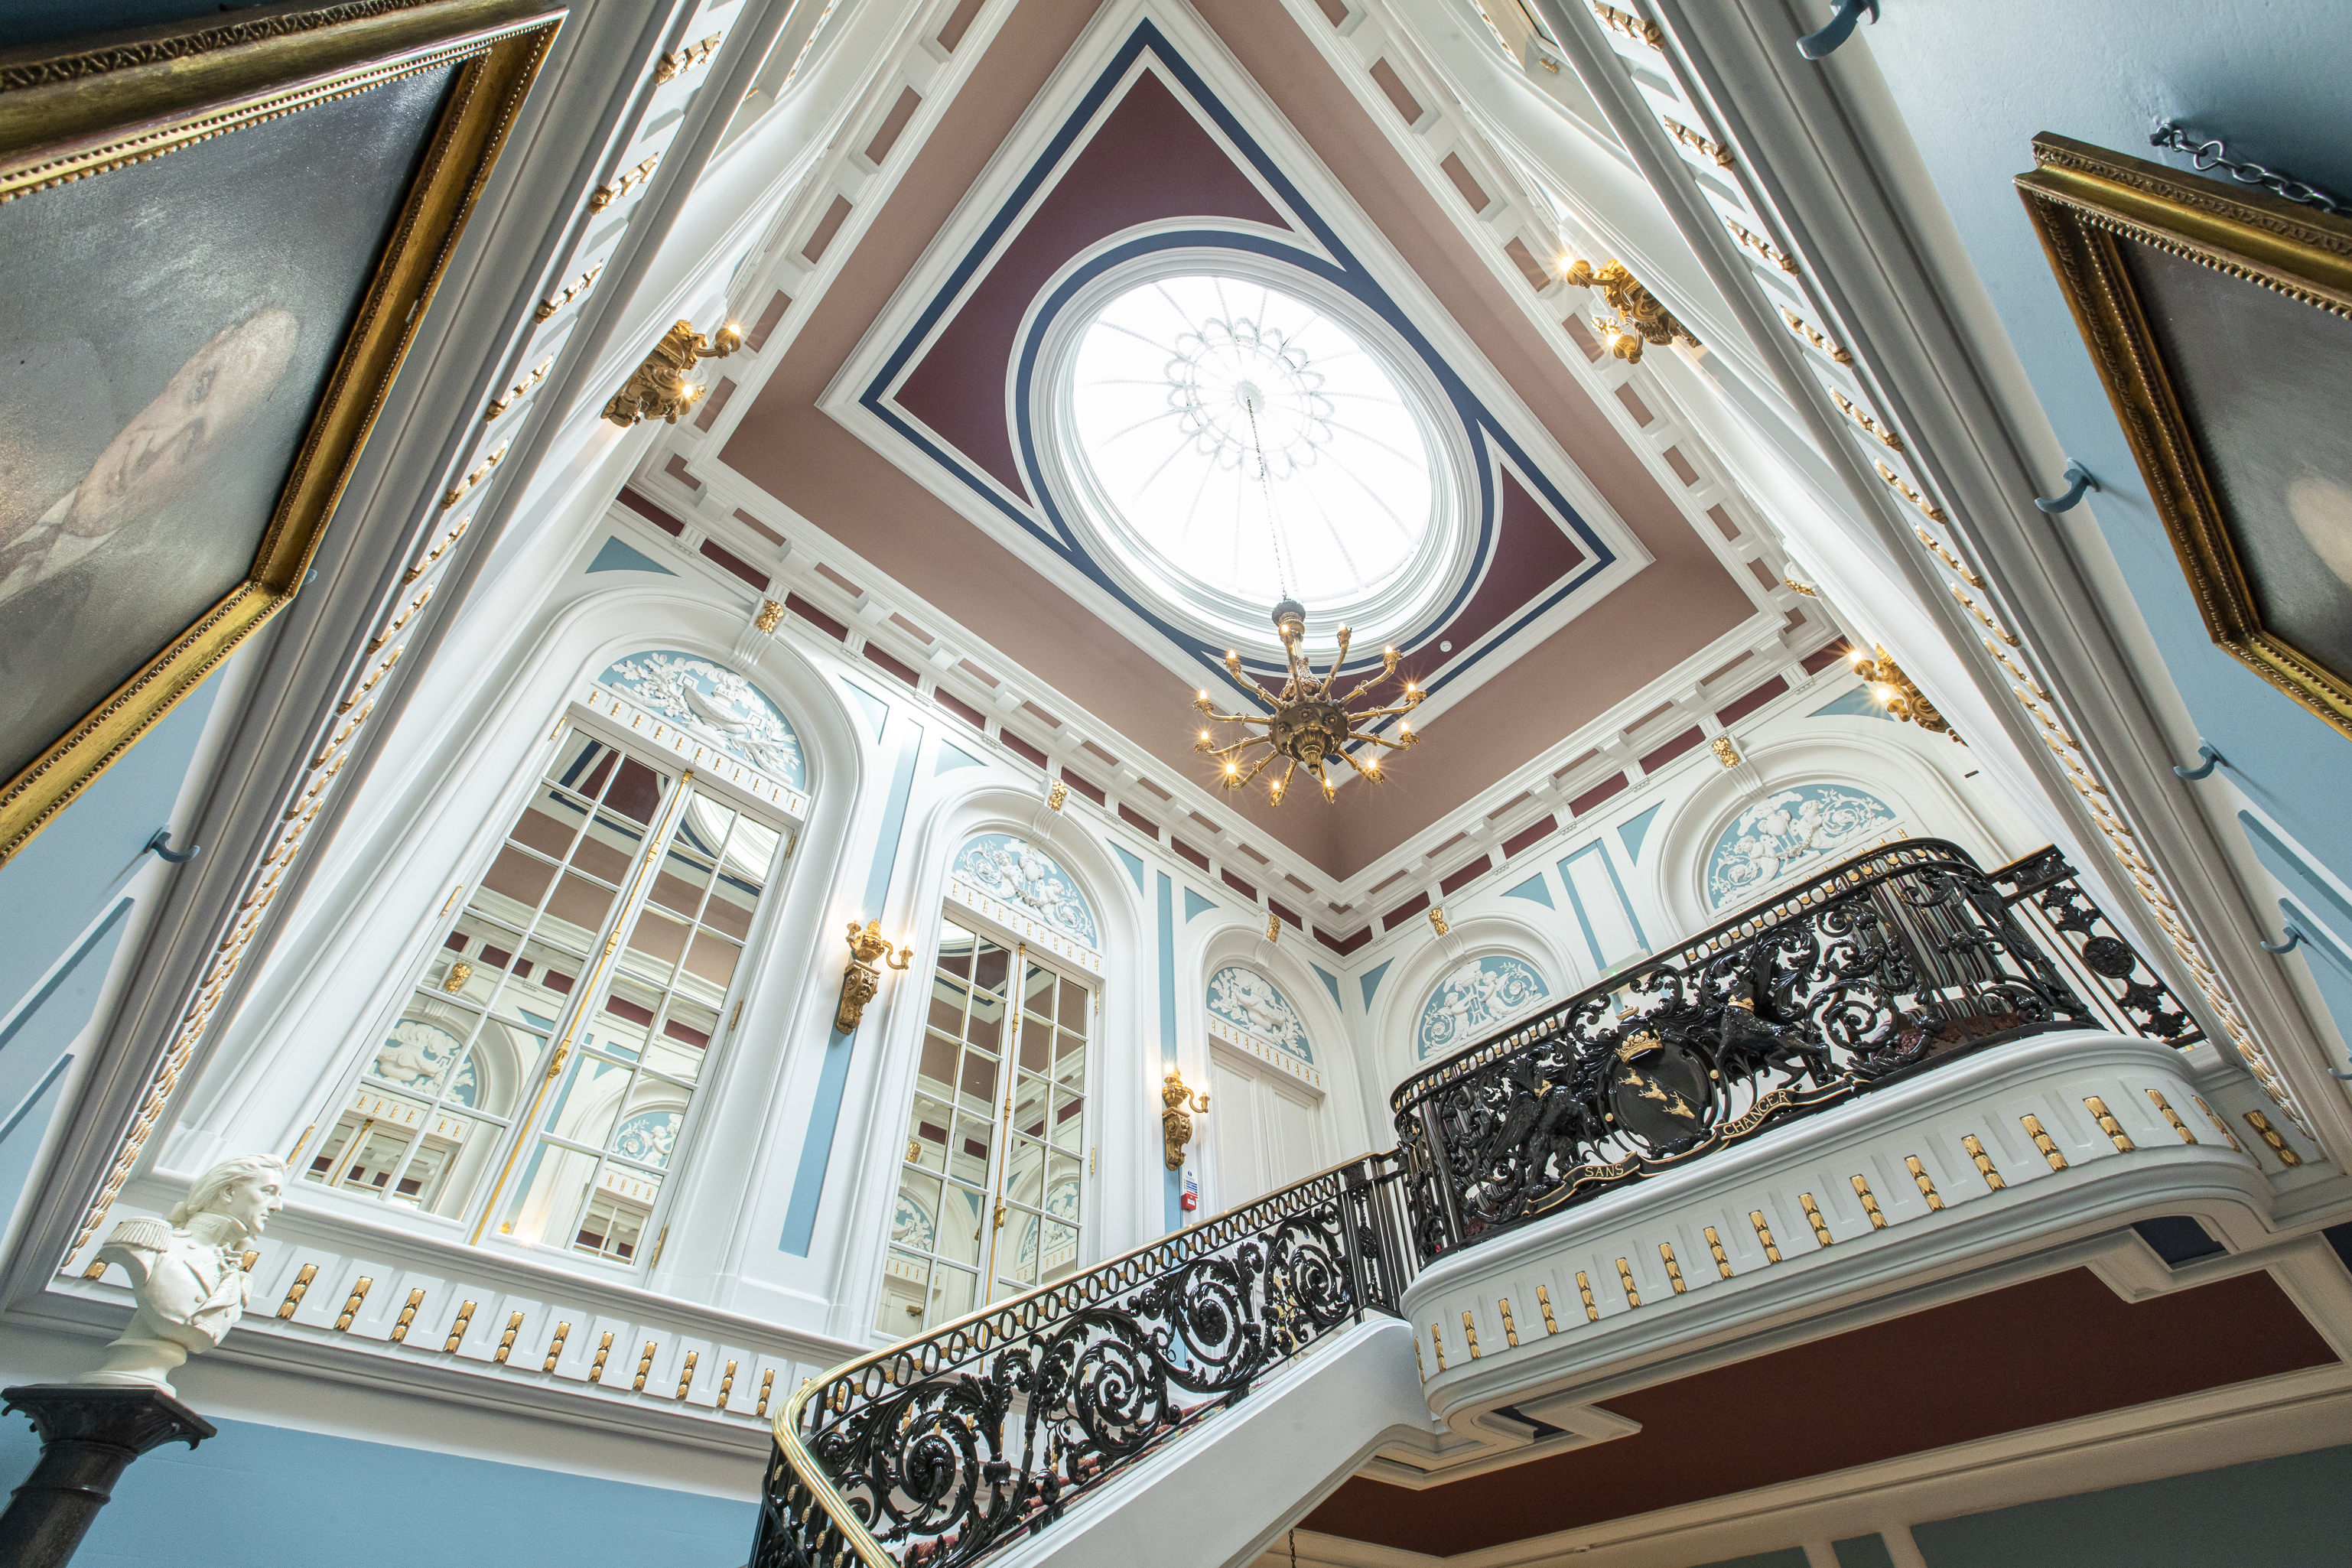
[(1022, 888), (1249, 1011), (1477, 997), (709, 716), (1790, 832)]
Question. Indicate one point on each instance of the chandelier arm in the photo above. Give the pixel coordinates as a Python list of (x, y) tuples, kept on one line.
[(1217, 717), (1370, 681), (1236, 780), (1377, 740), (1383, 712)]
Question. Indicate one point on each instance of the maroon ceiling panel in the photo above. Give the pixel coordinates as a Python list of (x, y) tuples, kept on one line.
[(1148, 162), (1532, 553), (2050, 1350)]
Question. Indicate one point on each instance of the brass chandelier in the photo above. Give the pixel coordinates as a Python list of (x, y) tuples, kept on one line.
[(1307, 726)]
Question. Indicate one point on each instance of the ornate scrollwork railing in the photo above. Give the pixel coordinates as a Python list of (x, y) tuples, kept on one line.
[(1896, 958), (941, 1448), (2126, 993)]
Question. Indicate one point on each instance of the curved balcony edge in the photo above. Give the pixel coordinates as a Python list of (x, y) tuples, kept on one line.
[(2014, 1157)]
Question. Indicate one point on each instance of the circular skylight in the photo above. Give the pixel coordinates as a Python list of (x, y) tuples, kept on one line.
[(1235, 440)]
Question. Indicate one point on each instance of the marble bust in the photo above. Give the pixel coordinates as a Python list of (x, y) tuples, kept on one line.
[(187, 1272)]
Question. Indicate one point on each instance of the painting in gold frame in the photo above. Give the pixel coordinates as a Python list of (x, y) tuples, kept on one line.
[(2220, 322), (221, 236)]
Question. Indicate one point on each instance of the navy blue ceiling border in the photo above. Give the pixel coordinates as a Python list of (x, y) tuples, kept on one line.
[(1347, 273)]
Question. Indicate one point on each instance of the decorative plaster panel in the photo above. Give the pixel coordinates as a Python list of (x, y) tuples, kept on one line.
[(1475, 1000)]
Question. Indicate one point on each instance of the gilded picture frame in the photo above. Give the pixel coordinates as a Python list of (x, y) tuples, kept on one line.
[(2220, 322), (155, 187)]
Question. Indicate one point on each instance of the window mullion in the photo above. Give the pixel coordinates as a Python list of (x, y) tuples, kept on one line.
[(1001, 1143), (633, 896)]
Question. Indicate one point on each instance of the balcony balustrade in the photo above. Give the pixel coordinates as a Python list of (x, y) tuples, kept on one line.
[(945, 1449)]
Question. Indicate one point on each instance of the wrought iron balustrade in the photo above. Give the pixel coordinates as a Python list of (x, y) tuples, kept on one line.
[(946, 1446), (2125, 991), (1892, 960)]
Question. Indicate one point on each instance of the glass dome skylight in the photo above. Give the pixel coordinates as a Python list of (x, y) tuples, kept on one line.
[(1165, 386)]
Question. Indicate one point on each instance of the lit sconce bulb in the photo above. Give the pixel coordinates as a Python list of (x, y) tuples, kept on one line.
[(1883, 693)]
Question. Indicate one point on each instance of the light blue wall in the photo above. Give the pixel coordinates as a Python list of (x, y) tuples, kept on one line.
[(62, 917), (271, 1495), (2280, 1513), (1976, 83)]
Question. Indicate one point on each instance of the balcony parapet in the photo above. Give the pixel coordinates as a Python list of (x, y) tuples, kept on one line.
[(2002, 1156), (1896, 962), (345, 1299)]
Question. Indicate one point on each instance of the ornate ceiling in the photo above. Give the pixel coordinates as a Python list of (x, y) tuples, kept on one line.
[(1574, 586)]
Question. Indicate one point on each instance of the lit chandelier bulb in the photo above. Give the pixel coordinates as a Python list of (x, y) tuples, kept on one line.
[(1204, 734), (1372, 769)]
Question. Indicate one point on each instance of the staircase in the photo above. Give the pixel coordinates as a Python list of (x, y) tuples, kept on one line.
[(1180, 1403)]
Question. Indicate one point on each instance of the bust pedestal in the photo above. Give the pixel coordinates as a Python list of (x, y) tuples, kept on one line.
[(89, 1433)]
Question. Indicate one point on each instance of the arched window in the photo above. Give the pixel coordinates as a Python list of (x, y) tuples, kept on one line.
[(542, 1073), (1479, 998), (1803, 830), (993, 1178), (1268, 1122)]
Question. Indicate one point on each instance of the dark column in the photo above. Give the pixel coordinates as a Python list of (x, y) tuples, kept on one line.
[(89, 1433)]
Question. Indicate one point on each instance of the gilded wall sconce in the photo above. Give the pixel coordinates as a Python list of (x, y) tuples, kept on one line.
[(1640, 319), (1176, 1120), (1902, 699), (660, 388), (862, 979)]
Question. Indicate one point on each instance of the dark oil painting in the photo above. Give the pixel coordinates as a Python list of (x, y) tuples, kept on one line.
[(167, 329), (2265, 383)]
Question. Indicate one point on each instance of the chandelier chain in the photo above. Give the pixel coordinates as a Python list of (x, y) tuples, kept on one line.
[(1265, 485)]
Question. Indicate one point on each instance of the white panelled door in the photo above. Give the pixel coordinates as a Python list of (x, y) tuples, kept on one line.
[(1268, 1127)]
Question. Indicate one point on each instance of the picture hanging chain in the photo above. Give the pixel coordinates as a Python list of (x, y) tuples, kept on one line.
[(2213, 154)]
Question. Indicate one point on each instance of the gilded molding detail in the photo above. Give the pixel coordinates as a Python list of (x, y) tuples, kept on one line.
[(660, 387), (1640, 318), (1725, 752), (1768, 252), (607, 194), (1895, 482), (574, 290), (515, 392), (1804, 329), (771, 613), (1629, 26), (1853, 411), (1719, 156), (678, 62)]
